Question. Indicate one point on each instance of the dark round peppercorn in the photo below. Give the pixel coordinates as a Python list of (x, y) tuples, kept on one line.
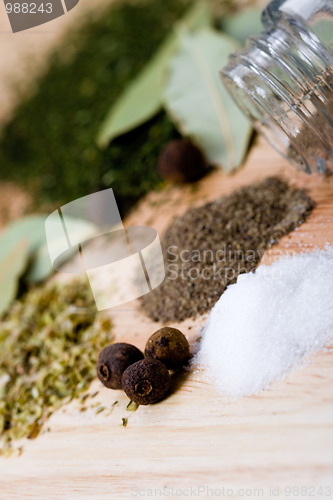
[(146, 381), (113, 361), (169, 346), (181, 161)]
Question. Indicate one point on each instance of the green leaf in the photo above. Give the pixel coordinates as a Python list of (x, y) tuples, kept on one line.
[(243, 24), (199, 104), (32, 229), (42, 267), (11, 268), (143, 98)]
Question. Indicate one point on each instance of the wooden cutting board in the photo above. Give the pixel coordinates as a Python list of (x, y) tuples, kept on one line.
[(195, 443)]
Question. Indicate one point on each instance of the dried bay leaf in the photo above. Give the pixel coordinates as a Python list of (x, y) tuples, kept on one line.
[(143, 98), (139, 102), (29, 227), (42, 267), (243, 24), (11, 268), (32, 229), (199, 104)]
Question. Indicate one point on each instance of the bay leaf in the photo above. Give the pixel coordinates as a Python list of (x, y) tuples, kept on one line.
[(243, 24), (11, 268), (198, 102), (142, 99), (41, 267), (32, 229)]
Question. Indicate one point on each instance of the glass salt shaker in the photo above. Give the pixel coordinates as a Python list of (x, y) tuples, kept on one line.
[(283, 81)]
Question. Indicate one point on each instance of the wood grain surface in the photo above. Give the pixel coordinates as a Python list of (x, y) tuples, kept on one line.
[(195, 443)]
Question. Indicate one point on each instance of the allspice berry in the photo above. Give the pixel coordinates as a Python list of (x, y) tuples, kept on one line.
[(146, 381), (113, 361), (181, 161), (169, 346)]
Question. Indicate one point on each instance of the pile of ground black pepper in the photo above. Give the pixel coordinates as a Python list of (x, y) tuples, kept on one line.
[(208, 247)]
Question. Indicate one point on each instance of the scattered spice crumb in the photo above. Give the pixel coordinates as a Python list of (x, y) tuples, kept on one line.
[(84, 397), (93, 395), (100, 409), (95, 405), (111, 409), (132, 406)]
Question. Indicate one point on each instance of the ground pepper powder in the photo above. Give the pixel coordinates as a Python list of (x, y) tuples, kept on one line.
[(208, 247)]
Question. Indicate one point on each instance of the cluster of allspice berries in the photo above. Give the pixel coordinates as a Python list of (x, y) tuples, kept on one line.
[(144, 378)]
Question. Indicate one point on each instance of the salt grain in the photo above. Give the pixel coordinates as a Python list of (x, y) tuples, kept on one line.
[(268, 323)]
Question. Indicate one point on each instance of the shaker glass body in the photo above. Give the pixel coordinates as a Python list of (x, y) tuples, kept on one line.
[(283, 81)]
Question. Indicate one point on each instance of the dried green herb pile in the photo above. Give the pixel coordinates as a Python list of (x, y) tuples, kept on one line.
[(208, 247), (49, 342), (56, 126)]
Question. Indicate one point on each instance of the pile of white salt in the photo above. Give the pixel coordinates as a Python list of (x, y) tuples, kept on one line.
[(268, 323)]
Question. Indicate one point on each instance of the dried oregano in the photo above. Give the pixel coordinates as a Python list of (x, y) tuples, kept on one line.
[(49, 343)]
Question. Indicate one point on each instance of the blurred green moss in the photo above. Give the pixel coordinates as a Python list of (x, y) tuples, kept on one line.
[(49, 145)]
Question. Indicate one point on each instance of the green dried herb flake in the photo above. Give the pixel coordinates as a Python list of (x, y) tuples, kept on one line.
[(132, 406), (100, 409)]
